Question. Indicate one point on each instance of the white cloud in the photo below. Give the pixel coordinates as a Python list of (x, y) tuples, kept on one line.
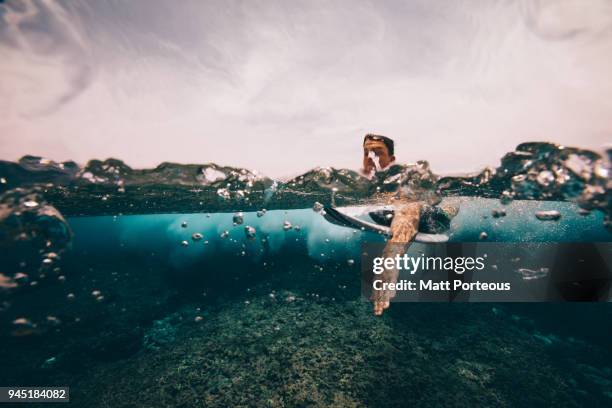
[(283, 87)]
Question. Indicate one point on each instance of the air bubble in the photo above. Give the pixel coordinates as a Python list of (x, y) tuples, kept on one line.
[(317, 207), (250, 232), (530, 274), (238, 218), (498, 213), (53, 320), (551, 215)]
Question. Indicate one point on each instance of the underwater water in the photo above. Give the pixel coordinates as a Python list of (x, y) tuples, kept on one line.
[(264, 309), (173, 286)]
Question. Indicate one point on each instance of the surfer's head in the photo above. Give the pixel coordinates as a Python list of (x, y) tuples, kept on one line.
[(377, 153)]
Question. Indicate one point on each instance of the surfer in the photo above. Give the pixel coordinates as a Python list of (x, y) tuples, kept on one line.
[(378, 154), (410, 211)]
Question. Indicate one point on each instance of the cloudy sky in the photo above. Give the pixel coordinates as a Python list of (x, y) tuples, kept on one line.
[(283, 86)]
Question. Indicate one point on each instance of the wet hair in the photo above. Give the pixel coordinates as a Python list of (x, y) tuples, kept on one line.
[(387, 141)]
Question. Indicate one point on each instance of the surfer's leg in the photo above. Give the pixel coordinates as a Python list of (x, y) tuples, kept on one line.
[(381, 298), (403, 230), (405, 223)]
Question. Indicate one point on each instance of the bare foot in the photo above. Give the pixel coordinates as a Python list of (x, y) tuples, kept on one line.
[(382, 298), (379, 307)]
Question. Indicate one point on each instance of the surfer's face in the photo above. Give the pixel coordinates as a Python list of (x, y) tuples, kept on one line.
[(375, 156)]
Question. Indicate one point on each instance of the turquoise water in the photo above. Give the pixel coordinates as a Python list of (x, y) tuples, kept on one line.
[(164, 231)]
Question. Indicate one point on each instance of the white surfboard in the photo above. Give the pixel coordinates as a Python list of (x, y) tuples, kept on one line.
[(348, 217)]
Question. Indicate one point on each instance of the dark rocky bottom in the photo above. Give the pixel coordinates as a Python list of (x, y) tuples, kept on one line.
[(295, 350)]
